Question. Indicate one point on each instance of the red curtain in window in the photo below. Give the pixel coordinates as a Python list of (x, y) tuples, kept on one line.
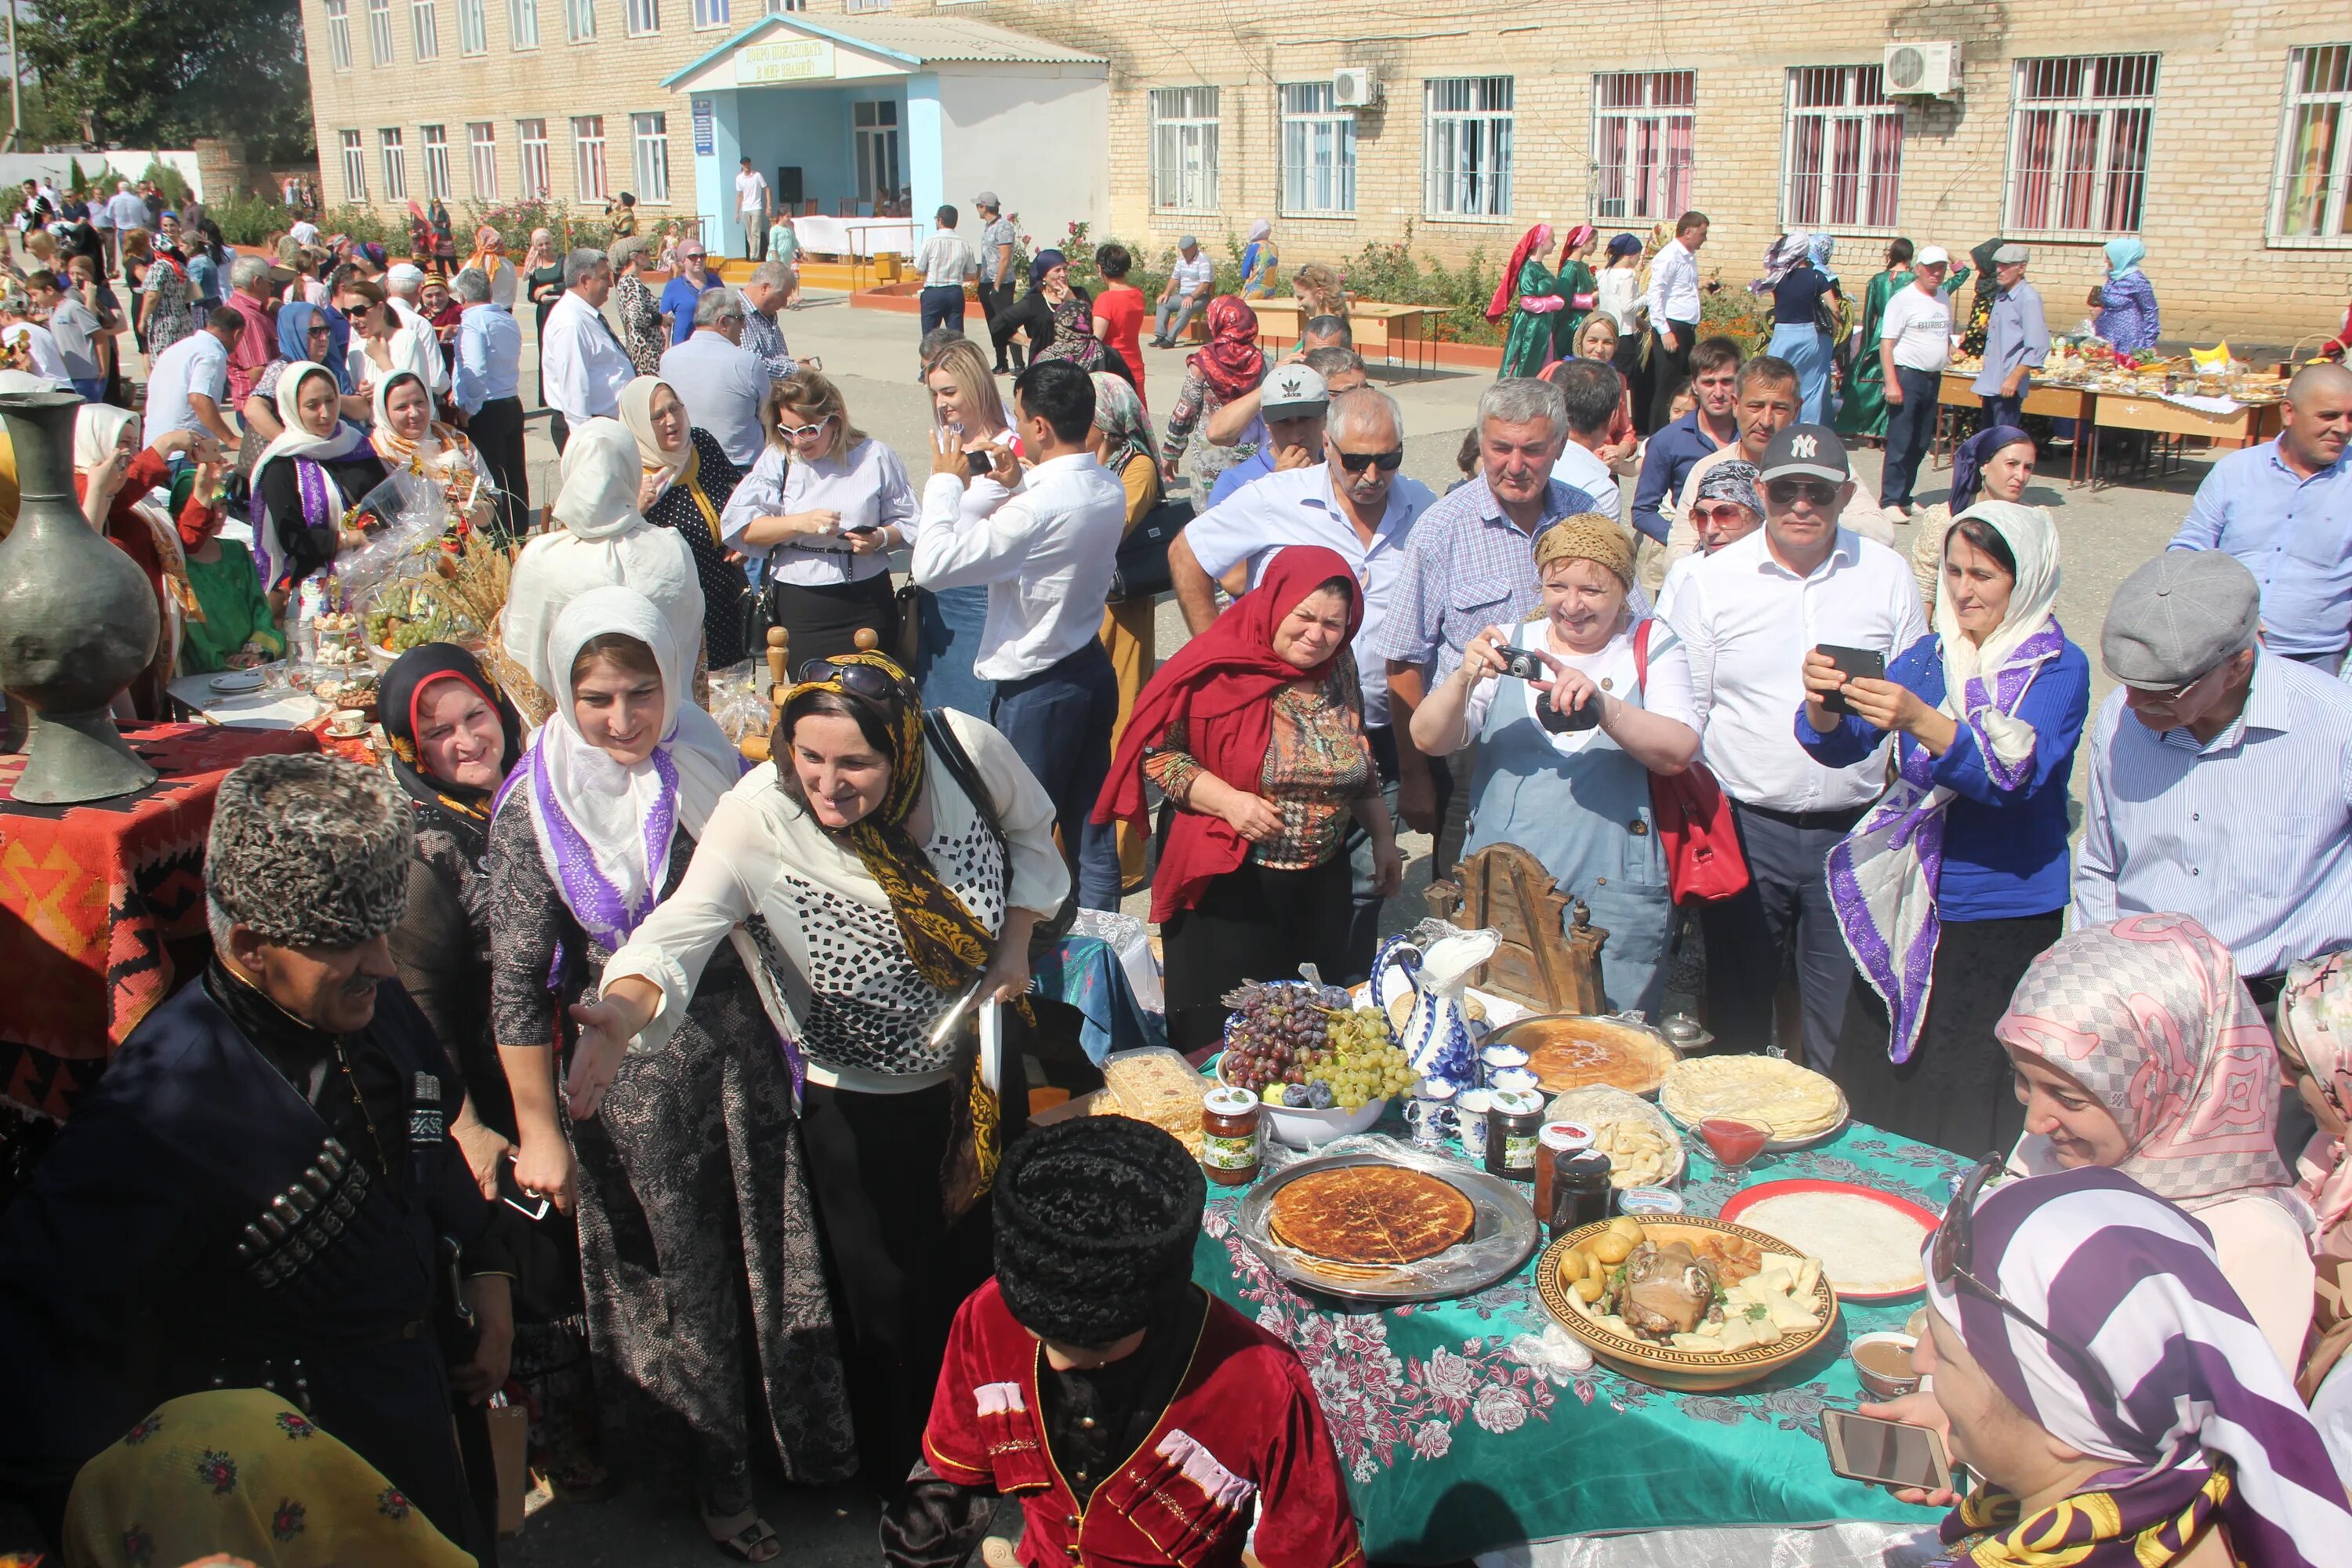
[(1886, 169), (2029, 202), (1677, 193), (2078, 177), (1805, 172)]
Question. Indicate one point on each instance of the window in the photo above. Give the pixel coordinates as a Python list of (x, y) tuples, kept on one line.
[(580, 20), (1843, 157), (473, 29), (395, 166), (1319, 151), (482, 157), (875, 127), (522, 23), (2078, 132), (1643, 125), (530, 144), (436, 163), (427, 30), (338, 33), (2314, 151), (1184, 149), (588, 158), (1466, 147), (354, 167), (710, 13), (643, 16), (380, 32), (776, 7), (650, 132)]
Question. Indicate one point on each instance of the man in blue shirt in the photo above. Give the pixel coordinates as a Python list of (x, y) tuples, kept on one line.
[(2017, 339), (1714, 371), (678, 295), (490, 368), (2285, 510)]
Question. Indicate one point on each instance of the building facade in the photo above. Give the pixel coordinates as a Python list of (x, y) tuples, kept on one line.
[(2220, 132)]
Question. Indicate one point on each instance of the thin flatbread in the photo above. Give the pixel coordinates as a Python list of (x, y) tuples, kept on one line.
[(1577, 1053), (1374, 1216)]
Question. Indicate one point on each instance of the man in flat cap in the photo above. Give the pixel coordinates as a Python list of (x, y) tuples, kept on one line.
[(2220, 775), (261, 1191), (1157, 1423), (2017, 339)]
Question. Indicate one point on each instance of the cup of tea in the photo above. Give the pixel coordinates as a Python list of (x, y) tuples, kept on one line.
[(347, 722), (1882, 1361)]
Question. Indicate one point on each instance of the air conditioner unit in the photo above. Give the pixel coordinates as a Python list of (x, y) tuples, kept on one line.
[(1355, 87), (1928, 70)]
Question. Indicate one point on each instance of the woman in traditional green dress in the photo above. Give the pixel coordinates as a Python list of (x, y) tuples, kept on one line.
[(1579, 289), (1527, 295), (1864, 410)]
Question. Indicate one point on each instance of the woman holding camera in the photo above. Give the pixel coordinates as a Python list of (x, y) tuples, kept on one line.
[(1573, 712)]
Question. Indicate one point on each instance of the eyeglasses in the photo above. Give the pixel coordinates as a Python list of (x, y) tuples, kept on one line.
[(794, 432), (691, 255), (864, 680), (1950, 1254), (1357, 462), (1788, 492), (1729, 511), (2172, 695)]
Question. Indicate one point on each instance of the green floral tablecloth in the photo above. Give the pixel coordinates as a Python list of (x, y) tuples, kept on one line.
[(1462, 1428)]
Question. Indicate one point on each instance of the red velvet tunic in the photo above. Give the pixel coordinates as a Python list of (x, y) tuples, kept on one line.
[(1244, 1436)]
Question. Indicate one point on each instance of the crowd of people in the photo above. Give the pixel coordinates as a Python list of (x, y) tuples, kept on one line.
[(649, 1034)]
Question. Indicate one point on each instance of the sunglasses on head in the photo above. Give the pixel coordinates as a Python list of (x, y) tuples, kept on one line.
[(1357, 462), (1950, 1258), (861, 679), (1788, 492)]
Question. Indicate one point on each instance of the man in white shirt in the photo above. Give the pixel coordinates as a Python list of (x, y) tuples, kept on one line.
[(581, 365), (1915, 344), (1594, 392), (1046, 549), (721, 383), (945, 261), (188, 383), (1355, 503), (1673, 313), (751, 207), (302, 231), (1749, 613), (1191, 282)]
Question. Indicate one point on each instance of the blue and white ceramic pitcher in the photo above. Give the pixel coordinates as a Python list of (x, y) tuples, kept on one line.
[(1436, 1034)]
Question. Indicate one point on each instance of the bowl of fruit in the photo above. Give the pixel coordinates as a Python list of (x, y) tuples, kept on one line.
[(1322, 1067)]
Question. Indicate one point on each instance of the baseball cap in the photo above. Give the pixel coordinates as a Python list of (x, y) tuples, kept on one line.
[(1808, 451), (2011, 256), (986, 199), (2178, 616), (1293, 390), (1934, 256)]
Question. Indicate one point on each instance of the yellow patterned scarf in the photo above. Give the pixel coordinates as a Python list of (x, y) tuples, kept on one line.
[(2140, 1527)]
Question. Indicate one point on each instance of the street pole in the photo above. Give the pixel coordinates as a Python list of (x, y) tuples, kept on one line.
[(16, 87)]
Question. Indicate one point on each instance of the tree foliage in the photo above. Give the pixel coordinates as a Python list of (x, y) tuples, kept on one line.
[(160, 72)]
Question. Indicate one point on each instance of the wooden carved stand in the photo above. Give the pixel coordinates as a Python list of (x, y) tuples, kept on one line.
[(1547, 963), (754, 746)]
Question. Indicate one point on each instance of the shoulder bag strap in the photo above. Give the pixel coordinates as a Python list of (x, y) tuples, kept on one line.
[(1642, 655)]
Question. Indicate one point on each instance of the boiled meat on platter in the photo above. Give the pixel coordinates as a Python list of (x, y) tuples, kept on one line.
[(1667, 1290)]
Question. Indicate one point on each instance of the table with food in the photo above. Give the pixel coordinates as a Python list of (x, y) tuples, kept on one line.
[(1548, 1275)]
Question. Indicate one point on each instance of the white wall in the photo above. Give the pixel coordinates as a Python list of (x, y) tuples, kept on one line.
[(15, 168), (1033, 135)]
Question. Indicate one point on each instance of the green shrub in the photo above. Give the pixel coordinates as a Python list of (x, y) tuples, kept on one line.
[(167, 180)]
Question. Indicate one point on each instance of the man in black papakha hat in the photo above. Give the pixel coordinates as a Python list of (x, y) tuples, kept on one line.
[(1156, 1423), (261, 1189)]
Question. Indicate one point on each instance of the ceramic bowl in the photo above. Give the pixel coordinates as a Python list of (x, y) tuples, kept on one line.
[(1878, 1384)]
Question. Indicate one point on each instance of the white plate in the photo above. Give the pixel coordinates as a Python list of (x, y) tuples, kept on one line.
[(230, 682)]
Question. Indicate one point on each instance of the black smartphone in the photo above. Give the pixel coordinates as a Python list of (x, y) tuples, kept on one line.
[(1854, 664), (861, 528), (1585, 715), (1885, 1453), (978, 463)]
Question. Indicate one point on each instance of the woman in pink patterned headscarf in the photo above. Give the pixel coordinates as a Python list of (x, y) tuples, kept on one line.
[(2136, 1047)]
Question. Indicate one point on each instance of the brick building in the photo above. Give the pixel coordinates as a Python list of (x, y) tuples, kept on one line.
[(2219, 133)]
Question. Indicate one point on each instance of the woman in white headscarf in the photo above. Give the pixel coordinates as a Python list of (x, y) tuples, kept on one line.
[(599, 539), (1952, 883), (118, 480), (687, 1174), (685, 484), (409, 439), (309, 476)]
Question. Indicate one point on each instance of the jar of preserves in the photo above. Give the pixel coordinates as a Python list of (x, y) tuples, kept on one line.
[(1513, 1118), (1231, 1146), (1553, 1139), (1580, 1191)]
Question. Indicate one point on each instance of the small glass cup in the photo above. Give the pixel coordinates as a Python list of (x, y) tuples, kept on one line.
[(1735, 1143)]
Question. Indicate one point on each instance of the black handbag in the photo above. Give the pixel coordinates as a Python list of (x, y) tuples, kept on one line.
[(1140, 570), (1045, 934)]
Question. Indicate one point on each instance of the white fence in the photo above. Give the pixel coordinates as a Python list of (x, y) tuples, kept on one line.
[(127, 163)]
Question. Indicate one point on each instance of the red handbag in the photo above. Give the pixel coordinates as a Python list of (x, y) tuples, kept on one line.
[(1704, 861)]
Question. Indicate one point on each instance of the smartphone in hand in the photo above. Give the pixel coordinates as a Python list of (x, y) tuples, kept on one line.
[(1885, 1453), (1854, 664)]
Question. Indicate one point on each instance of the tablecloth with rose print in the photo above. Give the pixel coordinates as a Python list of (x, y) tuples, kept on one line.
[(1462, 1428)]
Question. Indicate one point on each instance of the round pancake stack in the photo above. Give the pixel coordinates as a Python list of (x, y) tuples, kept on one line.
[(1795, 1102), (1370, 1215), (1577, 1052)]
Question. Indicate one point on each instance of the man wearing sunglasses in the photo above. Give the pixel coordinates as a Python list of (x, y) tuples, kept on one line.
[(1353, 502), (1750, 613), (2220, 777), (679, 294)]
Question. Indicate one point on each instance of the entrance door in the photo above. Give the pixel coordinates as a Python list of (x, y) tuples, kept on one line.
[(876, 128)]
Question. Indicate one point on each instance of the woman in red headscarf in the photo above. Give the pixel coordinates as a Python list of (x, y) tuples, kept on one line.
[(1255, 733), (1229, 366), (1526, 297)]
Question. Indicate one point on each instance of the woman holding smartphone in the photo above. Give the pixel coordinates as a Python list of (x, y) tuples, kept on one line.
[(964, 400)]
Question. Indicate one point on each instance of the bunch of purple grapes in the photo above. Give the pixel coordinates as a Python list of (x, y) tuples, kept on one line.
[(1278, 1033)]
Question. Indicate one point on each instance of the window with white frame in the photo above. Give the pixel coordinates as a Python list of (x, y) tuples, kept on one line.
[(2314, 152), (426, 28), (649, 134), (338, 33), (436, 163), (530, 149), (588, 158), (710, 13), (643, 16), (473, 27), (579, 20), (522, 23), (395, 164), (354, 167), (777, 7), (1319, 150), (1184, 148), (482, 158), (2078, 138), (380, 32), (1465, 167), (1842, 161), (1644, 124)]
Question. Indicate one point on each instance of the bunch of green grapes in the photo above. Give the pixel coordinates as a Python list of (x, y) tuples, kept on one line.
[(1366, 1063)]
